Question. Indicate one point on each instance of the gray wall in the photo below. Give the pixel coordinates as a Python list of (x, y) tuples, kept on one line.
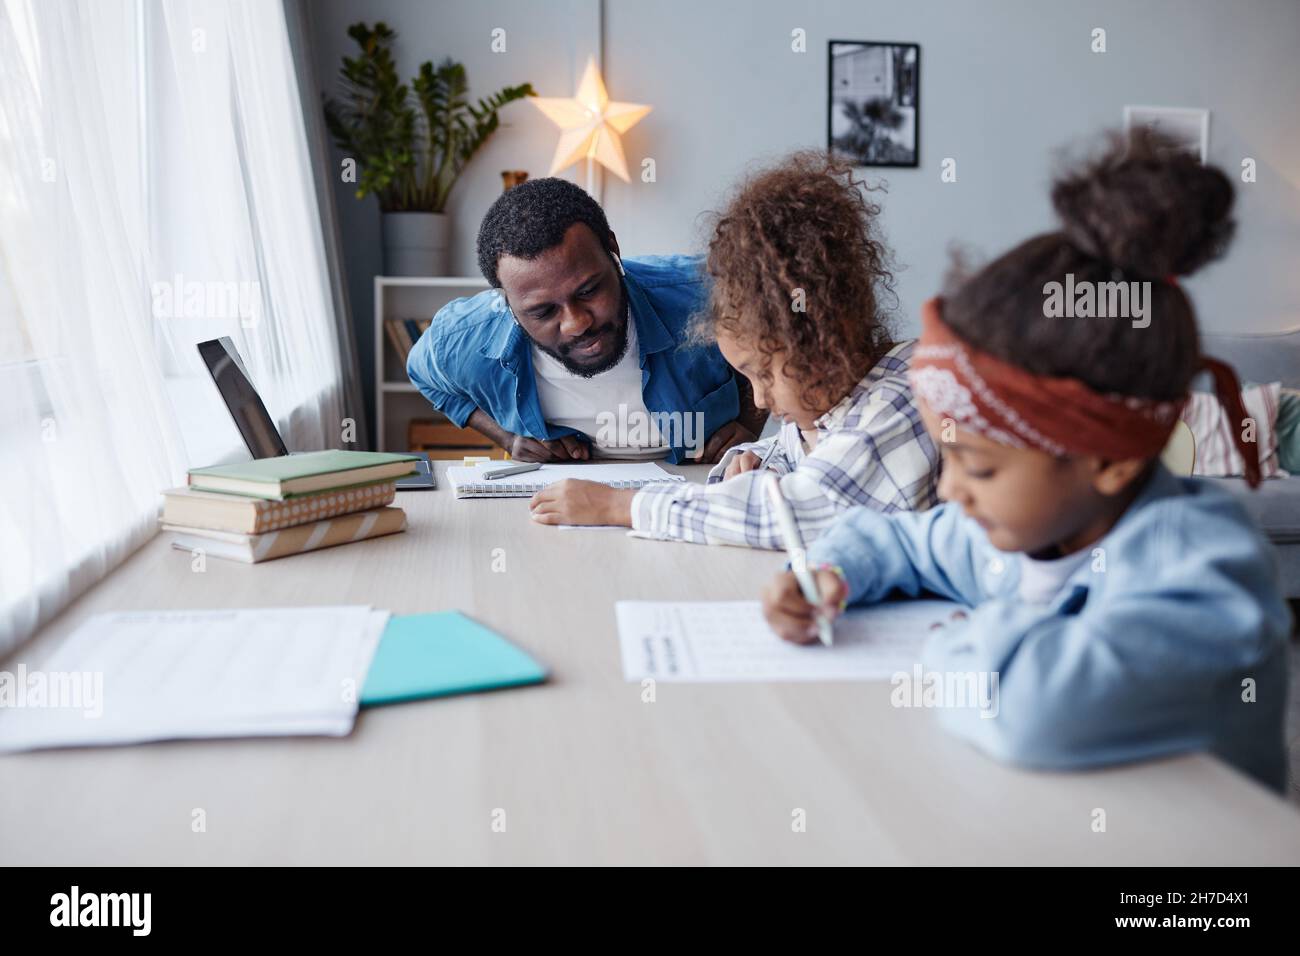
[(547, 44), (1004, 85)]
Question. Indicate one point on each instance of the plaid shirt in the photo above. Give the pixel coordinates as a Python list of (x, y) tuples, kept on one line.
[(872, 450)]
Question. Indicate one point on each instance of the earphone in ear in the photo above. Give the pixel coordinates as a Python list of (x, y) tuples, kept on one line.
[(618, 262)]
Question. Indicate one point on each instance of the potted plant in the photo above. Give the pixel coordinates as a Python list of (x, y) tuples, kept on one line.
[(409, 156)]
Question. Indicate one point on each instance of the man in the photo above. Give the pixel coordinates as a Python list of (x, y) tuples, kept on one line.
[(575, 354)]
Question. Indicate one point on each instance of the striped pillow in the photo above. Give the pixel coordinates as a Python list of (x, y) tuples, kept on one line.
[(1216, 452), (1288, 430)]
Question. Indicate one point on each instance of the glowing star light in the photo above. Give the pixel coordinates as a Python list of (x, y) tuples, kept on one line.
[(590, 125)]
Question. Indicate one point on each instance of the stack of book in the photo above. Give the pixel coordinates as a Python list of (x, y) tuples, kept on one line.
[(404, 333), (272, 507)]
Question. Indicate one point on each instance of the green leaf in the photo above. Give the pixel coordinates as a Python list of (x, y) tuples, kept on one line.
[(410, 158)]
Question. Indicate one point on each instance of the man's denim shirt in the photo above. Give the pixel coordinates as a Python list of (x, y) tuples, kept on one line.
[(475, 355)]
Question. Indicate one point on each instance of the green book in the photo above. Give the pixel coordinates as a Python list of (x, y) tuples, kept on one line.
[(290, 475)]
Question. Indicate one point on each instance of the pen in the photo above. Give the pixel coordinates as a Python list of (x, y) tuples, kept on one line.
[(512, 470), (762, 463), (767, 456), (798, 556)]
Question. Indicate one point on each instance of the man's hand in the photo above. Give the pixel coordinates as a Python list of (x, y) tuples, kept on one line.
[(523, 448), (562, 449), (732, 433), (789, 613), (574, 501)]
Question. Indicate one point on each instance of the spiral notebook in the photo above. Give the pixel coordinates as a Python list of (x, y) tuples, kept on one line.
[(472, 482)]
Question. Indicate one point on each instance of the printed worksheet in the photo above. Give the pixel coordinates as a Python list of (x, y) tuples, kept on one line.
[(721, 641), (132, 676)]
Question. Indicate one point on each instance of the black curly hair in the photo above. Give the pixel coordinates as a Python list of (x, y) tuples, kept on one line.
[(532, 217)]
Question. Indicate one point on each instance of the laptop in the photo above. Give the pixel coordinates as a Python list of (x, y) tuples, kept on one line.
[(254, 422)]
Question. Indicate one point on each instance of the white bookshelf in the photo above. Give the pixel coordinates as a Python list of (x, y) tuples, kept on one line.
[(397, 401)]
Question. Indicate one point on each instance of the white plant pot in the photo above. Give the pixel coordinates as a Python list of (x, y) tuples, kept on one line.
[(416, 243)]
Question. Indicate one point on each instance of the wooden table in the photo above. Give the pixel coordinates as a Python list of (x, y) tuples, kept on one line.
[(584, 771)]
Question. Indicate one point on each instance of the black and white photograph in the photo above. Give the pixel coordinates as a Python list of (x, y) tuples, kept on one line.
[(875, 102), (1184, 128)]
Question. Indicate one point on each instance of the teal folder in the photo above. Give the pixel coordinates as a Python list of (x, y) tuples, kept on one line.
[(433, 655)]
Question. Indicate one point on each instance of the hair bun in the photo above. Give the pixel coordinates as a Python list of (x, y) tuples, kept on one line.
[(1147, 207)]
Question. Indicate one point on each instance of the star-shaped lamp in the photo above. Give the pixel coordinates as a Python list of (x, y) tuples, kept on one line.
[(590, 125)]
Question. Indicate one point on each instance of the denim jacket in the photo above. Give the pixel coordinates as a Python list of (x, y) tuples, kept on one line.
[(1172, 637), (475, 355)]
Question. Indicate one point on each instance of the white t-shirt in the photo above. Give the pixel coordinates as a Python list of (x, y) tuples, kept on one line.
[(1041, 580), (608, 408)]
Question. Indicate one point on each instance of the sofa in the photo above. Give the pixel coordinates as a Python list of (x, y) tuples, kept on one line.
[(1275, 505)]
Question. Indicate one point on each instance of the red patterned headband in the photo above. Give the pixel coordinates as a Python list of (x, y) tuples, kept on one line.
[(1060, 416)]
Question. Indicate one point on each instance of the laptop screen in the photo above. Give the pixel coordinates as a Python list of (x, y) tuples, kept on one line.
[(251, 417)]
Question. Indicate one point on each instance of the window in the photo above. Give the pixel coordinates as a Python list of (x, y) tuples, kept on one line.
[(155, 191)]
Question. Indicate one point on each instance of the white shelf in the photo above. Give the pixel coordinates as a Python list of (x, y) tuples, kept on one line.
[(397, 402)]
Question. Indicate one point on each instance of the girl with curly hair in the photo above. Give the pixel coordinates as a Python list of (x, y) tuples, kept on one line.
[(798, 273)]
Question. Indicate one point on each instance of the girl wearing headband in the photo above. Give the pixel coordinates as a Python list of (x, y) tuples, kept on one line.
[(1118, 612)]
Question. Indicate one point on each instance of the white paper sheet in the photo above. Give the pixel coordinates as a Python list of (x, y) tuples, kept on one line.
[(726, 641), (134, 676)]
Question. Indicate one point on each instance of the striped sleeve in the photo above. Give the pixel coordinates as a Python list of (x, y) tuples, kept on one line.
[(780, 462), (885, 463)]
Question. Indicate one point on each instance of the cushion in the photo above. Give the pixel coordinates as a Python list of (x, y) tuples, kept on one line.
[(1216, 450), (1288, 430)]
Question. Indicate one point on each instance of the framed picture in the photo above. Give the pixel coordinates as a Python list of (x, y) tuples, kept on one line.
[(873, 114), (1189, 128)]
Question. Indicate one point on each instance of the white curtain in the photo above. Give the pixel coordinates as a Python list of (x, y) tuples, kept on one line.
[(155, 191)]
